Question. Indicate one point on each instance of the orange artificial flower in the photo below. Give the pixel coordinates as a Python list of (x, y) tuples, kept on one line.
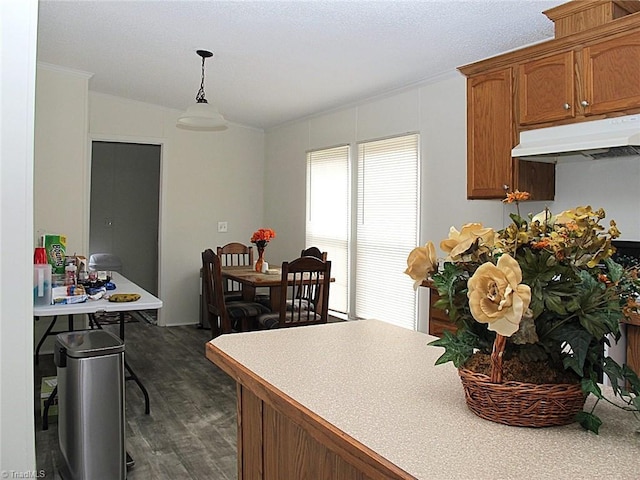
[(517, 196), (262, 235)]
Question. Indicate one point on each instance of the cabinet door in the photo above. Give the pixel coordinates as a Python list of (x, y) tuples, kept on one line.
[(489, 134), (439, 321), (546, 89), (612, 75)]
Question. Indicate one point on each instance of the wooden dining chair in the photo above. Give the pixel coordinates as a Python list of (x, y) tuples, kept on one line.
[(302, 273), (314, 252), (223, 316), (306, 291), (234, 254)]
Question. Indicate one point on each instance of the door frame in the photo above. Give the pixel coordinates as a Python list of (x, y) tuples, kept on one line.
[(95, 137)]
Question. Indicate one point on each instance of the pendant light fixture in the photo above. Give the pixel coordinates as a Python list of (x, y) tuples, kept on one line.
[(202, 115)]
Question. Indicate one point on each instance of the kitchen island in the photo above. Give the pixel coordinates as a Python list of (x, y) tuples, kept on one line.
[(363, 400)]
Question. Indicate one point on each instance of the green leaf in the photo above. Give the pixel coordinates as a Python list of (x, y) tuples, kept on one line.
[(589, 386), (518, 220), (457, 348), (579, 342), (554, 304), (589, 421), (616, 271)]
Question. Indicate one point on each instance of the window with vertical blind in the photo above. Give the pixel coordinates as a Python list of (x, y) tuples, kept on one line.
[(368, 256), (328, 214), (386, 229)]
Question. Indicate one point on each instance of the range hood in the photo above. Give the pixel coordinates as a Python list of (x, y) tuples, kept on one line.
[(609, 137)]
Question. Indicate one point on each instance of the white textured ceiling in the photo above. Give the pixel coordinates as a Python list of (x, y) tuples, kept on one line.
[(276, 61)]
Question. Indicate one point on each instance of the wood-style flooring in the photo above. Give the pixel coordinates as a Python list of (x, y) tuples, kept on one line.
[(191, 430)]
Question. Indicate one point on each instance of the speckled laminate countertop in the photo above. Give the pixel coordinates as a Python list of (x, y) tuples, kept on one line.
[(378, 383)]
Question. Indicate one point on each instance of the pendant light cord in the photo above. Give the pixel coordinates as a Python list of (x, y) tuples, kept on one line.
[(200, 95)]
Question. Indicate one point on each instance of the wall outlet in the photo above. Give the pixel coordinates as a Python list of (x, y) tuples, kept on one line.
[(222, 227)]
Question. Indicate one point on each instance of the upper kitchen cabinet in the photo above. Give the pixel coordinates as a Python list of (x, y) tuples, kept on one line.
[(489, 134), (611, 75), (598, 79), (590, 70), (546, 89)]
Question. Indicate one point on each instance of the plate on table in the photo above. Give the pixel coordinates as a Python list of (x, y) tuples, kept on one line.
[(273, 271)]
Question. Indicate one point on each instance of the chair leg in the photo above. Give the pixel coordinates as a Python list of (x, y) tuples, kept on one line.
[(214, 324), (244, 324)]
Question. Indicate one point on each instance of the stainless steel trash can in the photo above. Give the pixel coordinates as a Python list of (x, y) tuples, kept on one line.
[(91, 433)]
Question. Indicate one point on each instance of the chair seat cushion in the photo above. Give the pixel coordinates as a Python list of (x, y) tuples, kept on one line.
[(264, 299), (237, 310), (299, 304), (233, 297), (272, 320)]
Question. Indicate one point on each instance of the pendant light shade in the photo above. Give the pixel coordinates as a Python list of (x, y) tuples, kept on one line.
[(202, 115)]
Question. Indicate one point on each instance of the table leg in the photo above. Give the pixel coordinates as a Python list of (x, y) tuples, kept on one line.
[(248, 293), (44, 337), (122, 326), (274, 298), (134, 377), (47, 405)]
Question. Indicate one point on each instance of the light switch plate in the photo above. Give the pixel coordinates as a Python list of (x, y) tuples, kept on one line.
[(222, 227)]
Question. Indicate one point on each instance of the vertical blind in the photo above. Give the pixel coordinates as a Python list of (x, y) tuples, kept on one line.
[(328, 214), (387, 229)]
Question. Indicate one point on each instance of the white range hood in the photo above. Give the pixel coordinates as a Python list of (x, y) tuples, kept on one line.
[(609, 137)]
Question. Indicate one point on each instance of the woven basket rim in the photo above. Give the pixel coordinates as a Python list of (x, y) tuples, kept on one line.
[(485, 378)]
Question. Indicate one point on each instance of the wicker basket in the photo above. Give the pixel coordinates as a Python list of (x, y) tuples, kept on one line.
[(521, 404)]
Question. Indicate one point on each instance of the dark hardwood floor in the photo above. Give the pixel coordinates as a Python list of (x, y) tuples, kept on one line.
[(191, 430)]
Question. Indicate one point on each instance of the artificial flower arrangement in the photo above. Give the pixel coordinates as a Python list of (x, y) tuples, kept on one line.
[(262, 236), (544, 291)]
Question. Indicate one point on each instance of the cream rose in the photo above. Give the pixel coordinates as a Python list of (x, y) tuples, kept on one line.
[(460, 241), (497, 297), (421, 262)]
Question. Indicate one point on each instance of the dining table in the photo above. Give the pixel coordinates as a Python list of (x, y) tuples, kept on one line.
[(251, 280)]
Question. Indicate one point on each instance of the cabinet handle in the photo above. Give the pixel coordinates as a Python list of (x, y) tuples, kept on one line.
[(566, 106), (584, 103), (505, 187)]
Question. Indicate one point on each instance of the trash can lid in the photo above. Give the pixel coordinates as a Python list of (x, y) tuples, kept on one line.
[(89, 343)]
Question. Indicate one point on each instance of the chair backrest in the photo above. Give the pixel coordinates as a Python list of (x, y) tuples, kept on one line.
[(314, 252), (235, 254), (214, 293), (308, 274)]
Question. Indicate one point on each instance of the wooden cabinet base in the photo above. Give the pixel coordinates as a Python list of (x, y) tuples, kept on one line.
[(633, 347)]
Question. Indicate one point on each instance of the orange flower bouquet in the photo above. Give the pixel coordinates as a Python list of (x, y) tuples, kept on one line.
[(261, 237)]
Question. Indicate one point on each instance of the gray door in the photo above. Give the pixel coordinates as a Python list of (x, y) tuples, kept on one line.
[(124, 211)]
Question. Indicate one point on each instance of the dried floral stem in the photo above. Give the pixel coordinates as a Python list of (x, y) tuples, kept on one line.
[(499, 345)]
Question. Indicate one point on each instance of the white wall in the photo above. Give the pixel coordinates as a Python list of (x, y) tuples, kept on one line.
[(61, 168), (612, 184), (206, 177), (438, 112), (18, 27)]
